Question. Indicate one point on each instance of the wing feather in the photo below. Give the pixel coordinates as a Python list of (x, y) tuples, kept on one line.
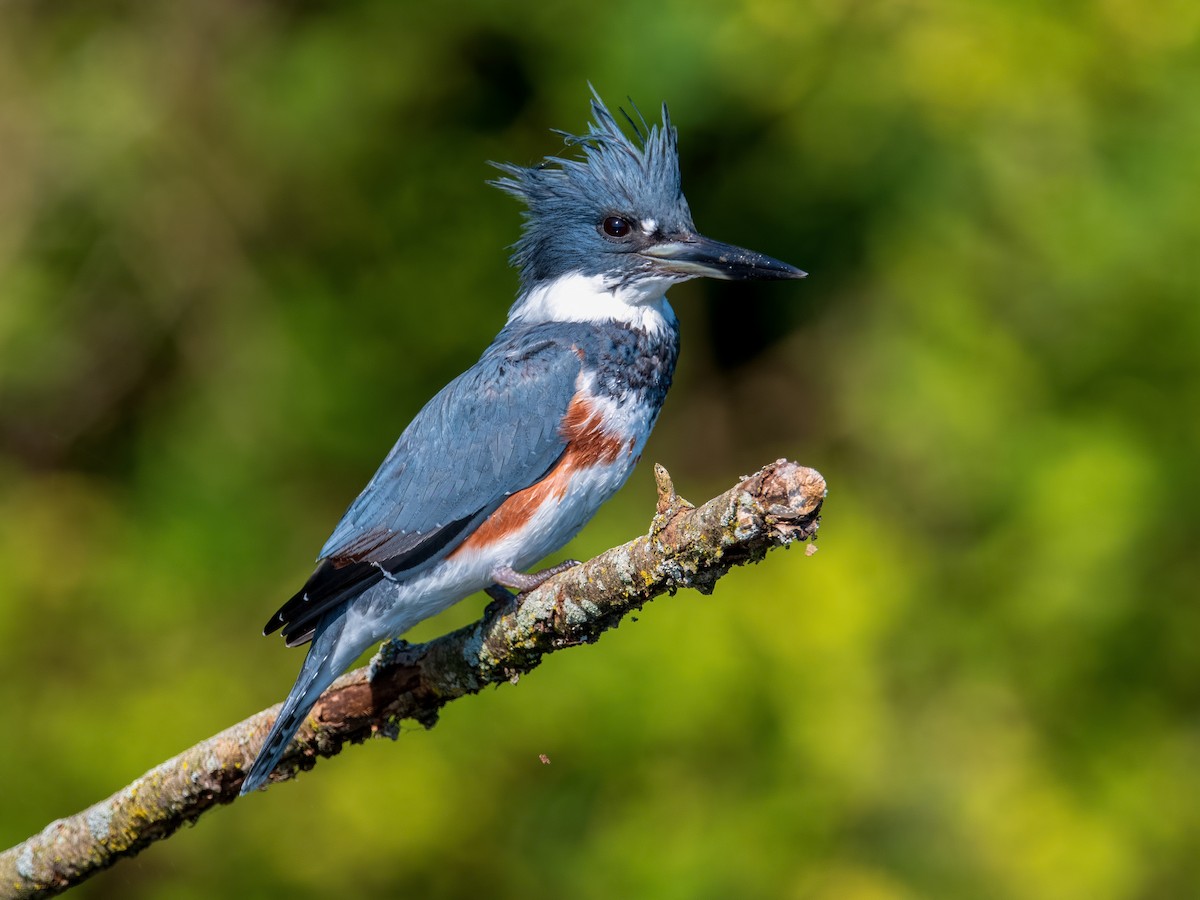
[(491, 432)]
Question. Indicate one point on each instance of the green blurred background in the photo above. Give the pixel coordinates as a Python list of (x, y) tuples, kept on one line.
[(242, 243)]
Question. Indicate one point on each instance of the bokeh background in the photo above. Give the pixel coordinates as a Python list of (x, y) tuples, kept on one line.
[(242, 243)]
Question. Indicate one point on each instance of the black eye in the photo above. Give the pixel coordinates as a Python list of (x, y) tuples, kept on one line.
[(615, 226)]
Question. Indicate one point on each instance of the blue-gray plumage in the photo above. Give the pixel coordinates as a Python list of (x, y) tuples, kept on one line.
[(509, 461)]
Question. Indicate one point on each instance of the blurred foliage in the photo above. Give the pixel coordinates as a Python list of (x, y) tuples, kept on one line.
[(240, 245)]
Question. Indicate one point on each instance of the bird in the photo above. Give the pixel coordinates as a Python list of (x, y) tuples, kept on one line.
[(510, 460)]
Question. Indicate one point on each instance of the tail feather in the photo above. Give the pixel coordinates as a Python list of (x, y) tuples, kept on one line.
[(321, 667)]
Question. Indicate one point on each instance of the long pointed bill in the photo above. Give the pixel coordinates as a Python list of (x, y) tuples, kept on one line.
[(698, 256)]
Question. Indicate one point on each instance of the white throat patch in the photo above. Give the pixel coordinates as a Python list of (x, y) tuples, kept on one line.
[(589, 298)]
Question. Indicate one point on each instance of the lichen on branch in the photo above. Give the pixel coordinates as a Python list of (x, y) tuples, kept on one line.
[(686, 546)]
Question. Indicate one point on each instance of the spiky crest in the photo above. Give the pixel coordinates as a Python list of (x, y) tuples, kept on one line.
[(636, 177)]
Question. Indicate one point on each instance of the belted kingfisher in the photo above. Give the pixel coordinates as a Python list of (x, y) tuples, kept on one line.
[(510, 460)]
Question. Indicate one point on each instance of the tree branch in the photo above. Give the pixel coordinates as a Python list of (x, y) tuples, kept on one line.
[(686, 547)]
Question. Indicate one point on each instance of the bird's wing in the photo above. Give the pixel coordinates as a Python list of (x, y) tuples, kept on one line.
[(493, 431)]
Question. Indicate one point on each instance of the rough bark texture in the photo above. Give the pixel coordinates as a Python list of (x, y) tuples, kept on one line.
[(686, 547)]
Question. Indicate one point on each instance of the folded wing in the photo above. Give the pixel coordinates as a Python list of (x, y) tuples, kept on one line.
[(493, 431)]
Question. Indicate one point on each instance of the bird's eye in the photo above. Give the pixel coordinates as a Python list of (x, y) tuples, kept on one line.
[(616, 226)]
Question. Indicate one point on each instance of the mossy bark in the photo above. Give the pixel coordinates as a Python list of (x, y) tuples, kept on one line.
[(686, 547)]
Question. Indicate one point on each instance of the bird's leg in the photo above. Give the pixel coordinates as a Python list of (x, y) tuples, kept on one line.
[(498, 592), (502, 599), (525, 582)]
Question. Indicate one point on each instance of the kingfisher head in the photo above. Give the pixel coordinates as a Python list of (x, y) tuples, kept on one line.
[(610, 228)]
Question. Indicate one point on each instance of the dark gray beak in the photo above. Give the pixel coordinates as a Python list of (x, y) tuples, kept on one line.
[(695, 256)]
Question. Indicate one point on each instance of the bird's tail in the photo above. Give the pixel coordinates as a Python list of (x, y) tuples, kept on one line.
[(321, 667)]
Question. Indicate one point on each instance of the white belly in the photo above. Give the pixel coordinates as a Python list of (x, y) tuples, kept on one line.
[(390, 608)]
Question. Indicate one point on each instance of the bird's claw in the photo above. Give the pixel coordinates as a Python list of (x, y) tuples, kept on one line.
[(524, 582)]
